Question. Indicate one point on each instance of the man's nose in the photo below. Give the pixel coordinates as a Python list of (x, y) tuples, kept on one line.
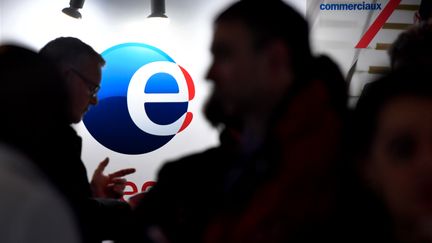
[(210, 73)]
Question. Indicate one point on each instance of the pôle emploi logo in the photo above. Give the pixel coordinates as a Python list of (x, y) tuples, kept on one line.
[(350, 6), (143, 102)]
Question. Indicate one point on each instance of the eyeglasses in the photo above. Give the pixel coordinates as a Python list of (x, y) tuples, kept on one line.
[(92, 87)]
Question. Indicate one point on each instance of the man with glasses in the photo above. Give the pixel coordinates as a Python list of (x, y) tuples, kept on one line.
[(81, 68), (102, 218), (92, 86)]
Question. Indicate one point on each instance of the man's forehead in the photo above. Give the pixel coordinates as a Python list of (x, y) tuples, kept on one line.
[(231, 32), (230, 26)]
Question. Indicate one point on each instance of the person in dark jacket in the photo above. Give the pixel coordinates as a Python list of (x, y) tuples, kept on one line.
[(33, 101), (280, 111), (100, 212)]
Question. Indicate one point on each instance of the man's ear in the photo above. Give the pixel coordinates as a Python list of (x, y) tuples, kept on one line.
[(279, 55), (65, 73), (279, 64)]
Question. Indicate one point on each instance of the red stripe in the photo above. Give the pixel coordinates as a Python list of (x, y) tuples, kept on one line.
[(378, 24), (187, 121), (189, 82)]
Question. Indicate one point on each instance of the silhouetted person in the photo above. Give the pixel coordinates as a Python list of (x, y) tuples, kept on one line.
[(281, 112), (392, 151), (32, 104), (105, 217), (424, 14), (413, 47)]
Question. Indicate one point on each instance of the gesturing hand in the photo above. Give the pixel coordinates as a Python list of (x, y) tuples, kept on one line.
[(111, 185)]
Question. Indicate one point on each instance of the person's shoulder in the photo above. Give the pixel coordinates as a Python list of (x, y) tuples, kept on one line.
[(189, 164), (192, 160), (30, 206)]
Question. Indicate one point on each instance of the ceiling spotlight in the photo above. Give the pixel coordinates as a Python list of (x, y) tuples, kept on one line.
[(72, 10), (157, 9)]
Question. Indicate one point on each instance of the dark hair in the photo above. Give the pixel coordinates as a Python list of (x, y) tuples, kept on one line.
[(272, 20), (425, 9), (413, 47), (69, 50), (376, 95)]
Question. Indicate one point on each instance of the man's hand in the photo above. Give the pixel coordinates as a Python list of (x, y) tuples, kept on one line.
[(111, 185)]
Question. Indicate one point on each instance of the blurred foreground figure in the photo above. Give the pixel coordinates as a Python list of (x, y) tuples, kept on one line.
[(32, 108), (393, 150), (424, 13), (413, 48), (281, 114)]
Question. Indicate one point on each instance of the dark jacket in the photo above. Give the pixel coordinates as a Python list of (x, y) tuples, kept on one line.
[(59, 157)]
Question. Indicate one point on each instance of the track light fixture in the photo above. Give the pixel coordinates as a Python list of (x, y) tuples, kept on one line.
[(157, 9), (72, 10)]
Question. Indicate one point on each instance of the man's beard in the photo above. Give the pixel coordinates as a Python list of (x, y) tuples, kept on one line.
[(216, 114)]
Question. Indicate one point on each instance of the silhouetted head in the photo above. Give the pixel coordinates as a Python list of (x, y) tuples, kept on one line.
[(80, 66), (413, 47), (260, 50), (393, 144), (425, 10), (33, 99)]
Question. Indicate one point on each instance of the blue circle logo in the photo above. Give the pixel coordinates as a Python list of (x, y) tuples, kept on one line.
[(143, 101)]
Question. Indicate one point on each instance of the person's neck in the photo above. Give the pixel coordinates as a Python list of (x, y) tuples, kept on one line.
[(254, 132)]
